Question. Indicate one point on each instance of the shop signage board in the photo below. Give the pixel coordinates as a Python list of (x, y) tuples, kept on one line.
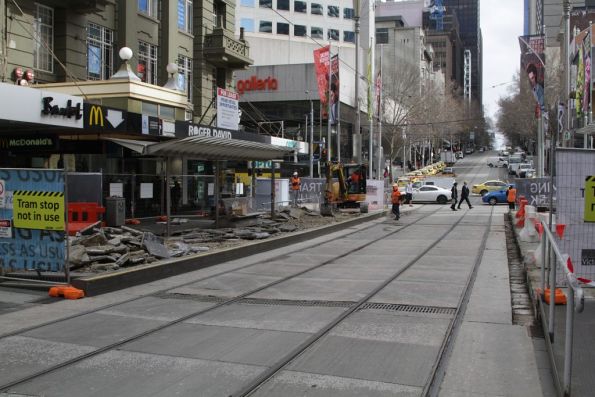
[(228, 109), (28, 143), (29, 105), (38, 244), (101, 118)]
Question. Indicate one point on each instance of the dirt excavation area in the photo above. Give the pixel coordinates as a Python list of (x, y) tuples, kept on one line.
[(106, 249)]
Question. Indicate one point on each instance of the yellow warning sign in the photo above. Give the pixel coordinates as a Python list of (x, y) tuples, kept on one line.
[(38, 210), (590, 199)]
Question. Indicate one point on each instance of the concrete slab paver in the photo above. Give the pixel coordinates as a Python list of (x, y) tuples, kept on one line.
[(229, 344), (300, 384), (109, 374)]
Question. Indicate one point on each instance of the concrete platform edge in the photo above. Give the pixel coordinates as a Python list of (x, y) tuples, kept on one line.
[(104, 283)]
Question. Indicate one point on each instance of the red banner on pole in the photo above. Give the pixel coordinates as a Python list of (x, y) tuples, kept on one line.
[(321, 65)]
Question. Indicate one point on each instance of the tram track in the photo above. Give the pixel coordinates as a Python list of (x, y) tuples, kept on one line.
[(112, 346), (434, 380)]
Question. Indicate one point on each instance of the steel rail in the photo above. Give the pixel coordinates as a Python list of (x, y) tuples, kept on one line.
[(5, 387), (282, 363)]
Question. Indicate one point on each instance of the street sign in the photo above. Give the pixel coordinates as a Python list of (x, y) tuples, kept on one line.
[(5, 228), (590, 198), (38, 210)]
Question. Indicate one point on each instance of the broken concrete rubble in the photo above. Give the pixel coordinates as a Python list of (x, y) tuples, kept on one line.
[(113, 248)]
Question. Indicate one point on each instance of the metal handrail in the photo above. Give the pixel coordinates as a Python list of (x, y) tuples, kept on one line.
[(575, 302)]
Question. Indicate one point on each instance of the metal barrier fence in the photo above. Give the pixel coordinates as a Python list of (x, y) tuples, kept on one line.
[(552, 260)]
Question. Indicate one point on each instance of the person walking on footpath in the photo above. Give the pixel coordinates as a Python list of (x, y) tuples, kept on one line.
[(296, 185), (511, 197), (409, 193), (465, 196), (455, 196), (396, 200)]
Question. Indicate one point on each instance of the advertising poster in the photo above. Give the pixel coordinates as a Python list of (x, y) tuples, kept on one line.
[(533, 64), (228, 109), (334, 89), (32, 235), (375, 194), (321, 62)]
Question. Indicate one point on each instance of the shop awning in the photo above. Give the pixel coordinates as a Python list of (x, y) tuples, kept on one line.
[(207, 148)]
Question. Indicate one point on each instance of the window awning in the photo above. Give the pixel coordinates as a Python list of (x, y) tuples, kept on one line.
[(207, 148)]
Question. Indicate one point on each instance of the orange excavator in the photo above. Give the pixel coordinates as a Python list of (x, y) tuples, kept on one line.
[(344, 192)]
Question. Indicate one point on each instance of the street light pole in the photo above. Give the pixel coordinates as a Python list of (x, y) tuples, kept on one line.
[(566, 68), (311, 135), (357, 136)]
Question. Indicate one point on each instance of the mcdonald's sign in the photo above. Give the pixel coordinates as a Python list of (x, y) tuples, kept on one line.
[(99, 118), (95, 116)]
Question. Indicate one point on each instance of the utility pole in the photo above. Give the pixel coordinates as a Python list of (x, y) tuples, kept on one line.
[(357, 135), (566, 68)]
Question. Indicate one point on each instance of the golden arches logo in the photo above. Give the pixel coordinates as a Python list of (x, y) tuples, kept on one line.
[(95, 116)]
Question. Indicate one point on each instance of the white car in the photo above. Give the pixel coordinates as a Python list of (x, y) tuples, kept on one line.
[(498, 162), (433, 194)]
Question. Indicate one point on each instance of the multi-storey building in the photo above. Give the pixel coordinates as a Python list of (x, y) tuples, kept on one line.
[(448, 49), (467, 12)]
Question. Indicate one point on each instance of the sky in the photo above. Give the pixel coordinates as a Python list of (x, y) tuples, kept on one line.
[(501, 23)]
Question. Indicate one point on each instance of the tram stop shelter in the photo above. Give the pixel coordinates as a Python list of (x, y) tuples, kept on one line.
[(211, 149)]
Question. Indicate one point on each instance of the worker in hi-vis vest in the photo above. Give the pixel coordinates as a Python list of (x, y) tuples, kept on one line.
[(296, 185)]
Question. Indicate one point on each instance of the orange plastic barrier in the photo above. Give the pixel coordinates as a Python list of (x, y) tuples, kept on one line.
[(67, 291), (559, 297), (520, 215), (82, 215)]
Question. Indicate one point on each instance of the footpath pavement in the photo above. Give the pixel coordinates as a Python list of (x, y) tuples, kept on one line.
[(491, 355)]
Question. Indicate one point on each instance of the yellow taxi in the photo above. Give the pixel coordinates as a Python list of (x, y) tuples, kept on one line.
[(489, 186)]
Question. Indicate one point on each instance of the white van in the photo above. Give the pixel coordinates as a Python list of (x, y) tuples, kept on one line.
[(513, 164)]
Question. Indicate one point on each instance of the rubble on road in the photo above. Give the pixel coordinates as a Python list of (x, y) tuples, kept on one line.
[(112, 248)]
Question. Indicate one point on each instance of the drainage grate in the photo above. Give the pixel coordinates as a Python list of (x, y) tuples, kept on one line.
[(409, 308)]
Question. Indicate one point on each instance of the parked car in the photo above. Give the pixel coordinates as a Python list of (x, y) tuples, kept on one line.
[(460, 155), (448, 171), (434, 194), (497, 162), (468, 150), (496, 197), (489, 186)]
